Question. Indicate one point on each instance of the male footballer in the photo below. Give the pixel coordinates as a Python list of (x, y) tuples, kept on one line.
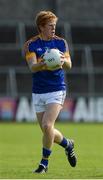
[(48, 86)]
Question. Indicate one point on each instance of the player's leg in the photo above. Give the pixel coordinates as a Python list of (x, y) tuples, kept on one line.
[(68, 145), (46, 121), (58, 136), (53, 135), (49, 117)]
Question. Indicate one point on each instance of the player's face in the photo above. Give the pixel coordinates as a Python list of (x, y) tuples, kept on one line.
[(48, 31)]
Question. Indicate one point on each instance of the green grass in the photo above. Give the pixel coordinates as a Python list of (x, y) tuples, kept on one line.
[(20, 152)]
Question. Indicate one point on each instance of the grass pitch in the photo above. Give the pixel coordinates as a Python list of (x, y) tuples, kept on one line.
[(20, 152)]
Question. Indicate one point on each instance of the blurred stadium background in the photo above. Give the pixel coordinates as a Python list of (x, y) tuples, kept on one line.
[(81, 23)]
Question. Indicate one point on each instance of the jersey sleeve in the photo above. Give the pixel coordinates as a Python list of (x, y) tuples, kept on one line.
[(66, 52), (28, 51)]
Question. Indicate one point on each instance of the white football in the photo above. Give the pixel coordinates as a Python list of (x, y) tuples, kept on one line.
[(52, 58)]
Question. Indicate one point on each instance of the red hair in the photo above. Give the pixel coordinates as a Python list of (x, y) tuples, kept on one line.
[(44, 17)]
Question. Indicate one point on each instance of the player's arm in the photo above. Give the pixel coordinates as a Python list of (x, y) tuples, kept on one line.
[(34, 63), (67, 61), (67, 64)]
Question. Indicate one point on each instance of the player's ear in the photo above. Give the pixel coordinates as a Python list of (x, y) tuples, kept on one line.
[(41, 28)]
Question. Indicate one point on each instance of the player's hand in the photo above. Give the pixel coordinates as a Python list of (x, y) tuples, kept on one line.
[(43, 65)]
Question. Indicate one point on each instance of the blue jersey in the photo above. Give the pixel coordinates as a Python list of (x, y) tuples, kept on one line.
[(46, 81)]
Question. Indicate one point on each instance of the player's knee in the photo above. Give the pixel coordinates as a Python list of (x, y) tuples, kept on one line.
[(46, 128)]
